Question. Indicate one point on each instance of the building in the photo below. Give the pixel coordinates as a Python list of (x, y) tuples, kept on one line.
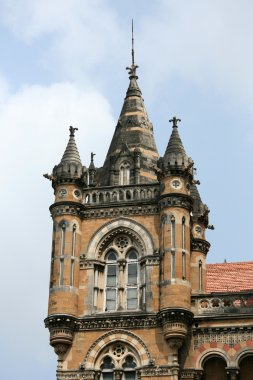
[(131, 294)]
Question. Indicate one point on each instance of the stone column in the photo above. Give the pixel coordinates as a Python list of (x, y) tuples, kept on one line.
[(233, 373)]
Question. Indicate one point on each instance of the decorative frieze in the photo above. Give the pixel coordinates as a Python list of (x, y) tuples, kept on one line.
[(225, 335), (103, 322), (65, 208), (156, 371), (105, 212)]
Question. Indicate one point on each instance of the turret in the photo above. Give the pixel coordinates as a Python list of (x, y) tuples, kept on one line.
[(175, 172), (199, 245), (68, 179)]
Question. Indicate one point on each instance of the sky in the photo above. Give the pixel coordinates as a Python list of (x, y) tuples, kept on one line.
[(63, 63)]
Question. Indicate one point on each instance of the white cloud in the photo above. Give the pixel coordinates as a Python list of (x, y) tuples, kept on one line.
[(34, 132), (80, 34)]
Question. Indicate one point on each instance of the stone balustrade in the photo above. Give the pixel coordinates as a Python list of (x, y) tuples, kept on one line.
[(223, 303), (108, 195)]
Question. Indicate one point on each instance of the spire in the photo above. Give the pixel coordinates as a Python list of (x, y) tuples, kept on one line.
[(70, 168), (71, 153), (175, 144), (135, 130), (133, 67), (175, 159)]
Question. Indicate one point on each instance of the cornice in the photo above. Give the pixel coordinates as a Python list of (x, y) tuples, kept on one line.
[(176, 200), (200, 245), (66, 208)]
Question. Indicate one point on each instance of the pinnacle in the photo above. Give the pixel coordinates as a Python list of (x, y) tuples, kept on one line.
[(175, 144), (71, 153)]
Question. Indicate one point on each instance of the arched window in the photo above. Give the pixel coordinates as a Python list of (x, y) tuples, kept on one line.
[(111, 281), (107, 367), (73, 255), (118, 361), (63, 237), (132, 280), (215, 369), (246, 368), (119, 285), (200, 276), (129, 366), (125, 173)]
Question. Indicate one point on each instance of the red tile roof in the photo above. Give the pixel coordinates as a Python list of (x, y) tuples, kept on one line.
[(229, 277)]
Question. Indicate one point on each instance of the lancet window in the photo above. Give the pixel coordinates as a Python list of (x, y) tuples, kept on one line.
[(119, 279), (118, 362), (125, 173)]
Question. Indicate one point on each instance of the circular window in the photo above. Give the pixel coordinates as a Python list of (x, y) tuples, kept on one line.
[(63, 193), (118, 350), (77, 193), (176, 184), (122, 242)]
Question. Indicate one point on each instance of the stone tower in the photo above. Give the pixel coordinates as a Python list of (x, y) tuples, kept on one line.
[(128, 252)]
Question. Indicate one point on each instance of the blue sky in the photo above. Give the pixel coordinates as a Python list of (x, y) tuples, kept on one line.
[(63, 63)]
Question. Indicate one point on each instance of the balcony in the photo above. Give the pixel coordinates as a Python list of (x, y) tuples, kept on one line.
[(223, 304)]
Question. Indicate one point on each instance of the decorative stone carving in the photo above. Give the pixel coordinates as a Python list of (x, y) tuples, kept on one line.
[(61, 339), (226, 335), (176, 200), (200, 245), (119, 211), (239, 303), (66, 208)]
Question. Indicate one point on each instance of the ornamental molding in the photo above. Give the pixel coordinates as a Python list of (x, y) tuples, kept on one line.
[(114, 321), (175, 316), (176, 200), (158, 371), (110, 211), (122, 333), (66, 208), (120, 231), (200, 245), (225, 335), (116, 226), (104, 322)]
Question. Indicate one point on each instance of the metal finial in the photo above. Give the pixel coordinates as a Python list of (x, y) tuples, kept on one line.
[(132, 42), (132, 69), (72, 131), (92, 156), (174, 120)]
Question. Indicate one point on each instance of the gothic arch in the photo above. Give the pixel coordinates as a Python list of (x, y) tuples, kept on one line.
[(121, 336), (242, 353), (211, 353), (130, 226)]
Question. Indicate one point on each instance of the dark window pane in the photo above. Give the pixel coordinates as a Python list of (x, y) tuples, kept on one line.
[(129, 362), (132, 274), (130, 375), (132, 255), (108, 376), (112, 256), (111, 275), (132, 299), (107, 363), (110, 299)]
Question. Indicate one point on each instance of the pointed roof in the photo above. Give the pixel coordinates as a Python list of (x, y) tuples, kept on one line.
[(71, 153), (70, 168), (135, 130), (175, 144)]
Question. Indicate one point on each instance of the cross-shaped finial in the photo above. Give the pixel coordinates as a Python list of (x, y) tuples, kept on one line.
[(174, 120), (72, 131)]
